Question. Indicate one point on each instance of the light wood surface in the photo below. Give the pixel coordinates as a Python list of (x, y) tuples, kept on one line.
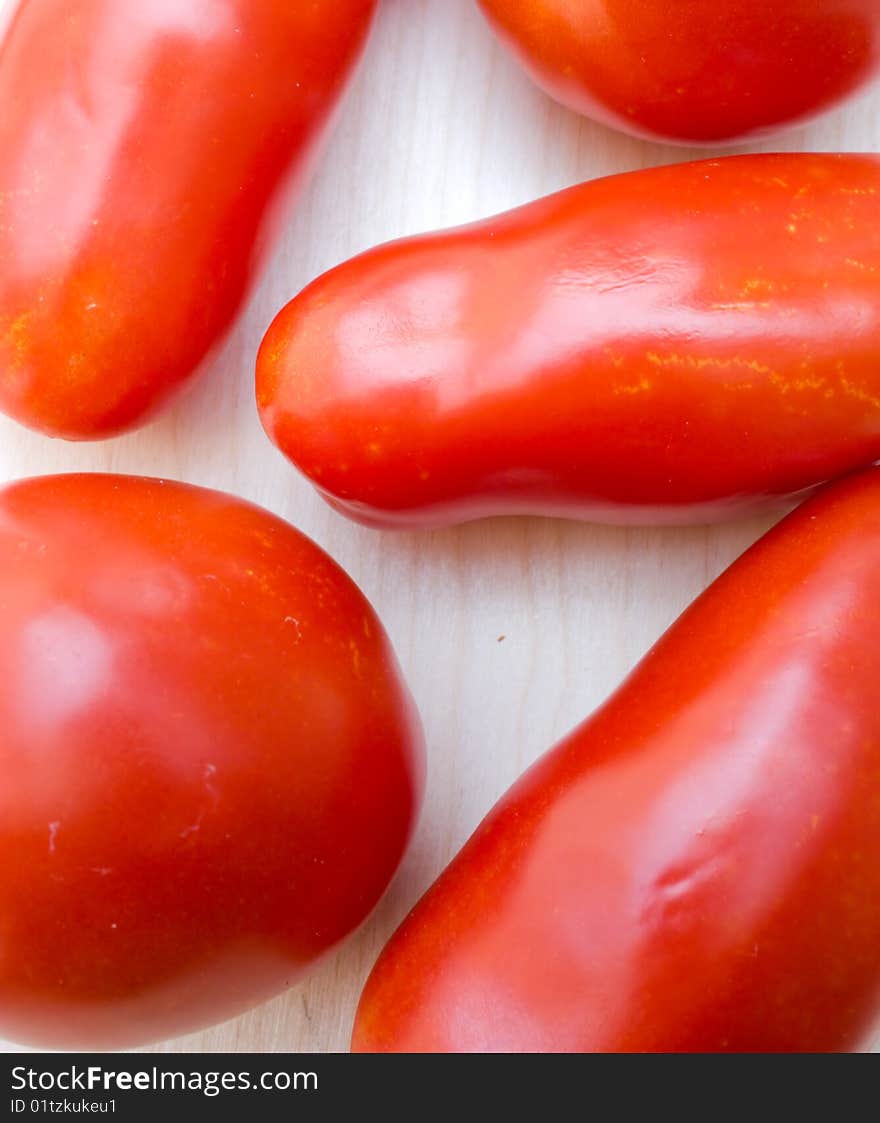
[(509, 631)]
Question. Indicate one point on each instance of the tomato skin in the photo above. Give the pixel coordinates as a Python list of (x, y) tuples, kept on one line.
[(697, 866), (698, 73), (672, 345), (210, 765), (146, 154)]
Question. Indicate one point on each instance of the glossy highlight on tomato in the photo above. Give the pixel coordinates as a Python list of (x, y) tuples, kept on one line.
[(210, 765), (147, 150), (696, 868), (696, 71), (668, 346)]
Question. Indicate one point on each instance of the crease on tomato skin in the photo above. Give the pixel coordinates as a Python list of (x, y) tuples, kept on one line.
[(691, 869)]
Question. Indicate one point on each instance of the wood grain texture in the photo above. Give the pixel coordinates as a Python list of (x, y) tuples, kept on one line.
[(509, 631)]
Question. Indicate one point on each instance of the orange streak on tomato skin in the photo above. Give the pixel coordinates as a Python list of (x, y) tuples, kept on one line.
[(210, 764), (671, 345), (146, 154)]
